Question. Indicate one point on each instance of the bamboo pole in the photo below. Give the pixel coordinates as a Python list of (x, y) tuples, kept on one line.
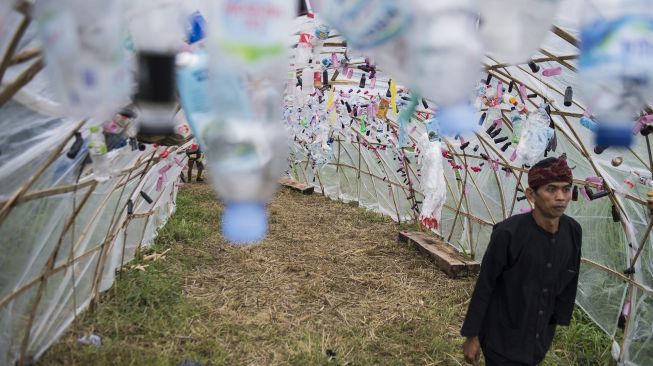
[(43, 281), (618, 275), (25, 77), (13, 44), (9, 204), (549, 57), (50, 192), (514, 197), (642, 244), (25, 56)]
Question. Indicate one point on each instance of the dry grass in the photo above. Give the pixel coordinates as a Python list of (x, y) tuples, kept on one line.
[(329, 286)]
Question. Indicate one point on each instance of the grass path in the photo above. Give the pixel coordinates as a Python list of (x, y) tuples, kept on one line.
[(329, 286)]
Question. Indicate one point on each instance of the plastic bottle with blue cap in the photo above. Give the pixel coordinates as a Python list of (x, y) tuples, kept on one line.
[(246, 146), (615, 65), (192, 78), (445, 60)]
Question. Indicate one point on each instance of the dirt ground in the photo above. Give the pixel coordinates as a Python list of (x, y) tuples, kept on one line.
[(330, 285)]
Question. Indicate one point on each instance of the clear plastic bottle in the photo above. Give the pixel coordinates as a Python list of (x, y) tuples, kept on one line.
[(97, 148), (246, 147), (379, 28), (433, 129), (193, 88), (615, 65), (83, 46), (517, 124), (192, 76), (445, 60), (512, 30)]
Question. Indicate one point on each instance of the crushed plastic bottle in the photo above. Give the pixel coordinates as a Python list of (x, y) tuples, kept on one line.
[(615, 65), (90, 339), (535, 137), (246, 147)]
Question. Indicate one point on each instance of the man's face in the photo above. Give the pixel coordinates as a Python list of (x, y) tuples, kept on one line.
[(551, 199)]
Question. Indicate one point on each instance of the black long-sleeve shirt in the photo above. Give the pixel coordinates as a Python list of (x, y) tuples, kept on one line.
[(527, 286)]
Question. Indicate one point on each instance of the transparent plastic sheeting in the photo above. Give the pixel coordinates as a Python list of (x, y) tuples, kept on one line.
[(79, 258), (352, 171), (51, 265)]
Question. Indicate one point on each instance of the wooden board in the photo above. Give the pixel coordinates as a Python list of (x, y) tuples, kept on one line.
[(450, 261), (295, 185)]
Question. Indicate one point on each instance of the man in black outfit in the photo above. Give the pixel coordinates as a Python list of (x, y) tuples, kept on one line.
[(529, 275)]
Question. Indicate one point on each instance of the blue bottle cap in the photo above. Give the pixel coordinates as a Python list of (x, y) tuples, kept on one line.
[(457, 118), (197, 30), (244, 223), (607, 134)]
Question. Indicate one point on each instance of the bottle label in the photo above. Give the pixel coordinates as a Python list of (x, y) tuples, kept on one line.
[(254, 30), (626, 41)]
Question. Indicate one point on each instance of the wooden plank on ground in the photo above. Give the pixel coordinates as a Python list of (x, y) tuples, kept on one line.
[(450, 261), (295, 185)]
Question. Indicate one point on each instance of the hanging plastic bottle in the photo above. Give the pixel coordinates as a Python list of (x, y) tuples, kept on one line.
[(193, 88), (615, 65), (517, 124), (246, 147), (535, 137), (321, 32), (98, 150), (433, 129), (308, 80), (513, 30), (378, 27), (588, 123), (83, 49), (158, 32), (192, 78), (445, 60)]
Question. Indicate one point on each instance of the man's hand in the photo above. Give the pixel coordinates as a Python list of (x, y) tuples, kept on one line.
[(472, 350)]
